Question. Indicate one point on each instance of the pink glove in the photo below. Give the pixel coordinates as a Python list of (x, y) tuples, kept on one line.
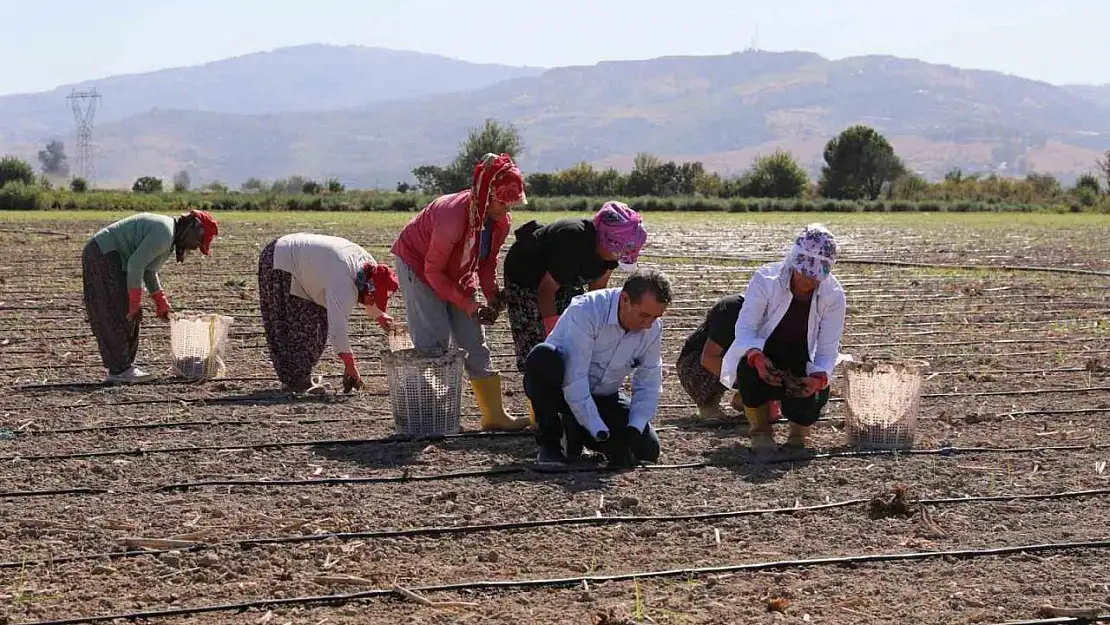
[(549, 324), (162, 308), (351, 377), (815, 383), (758, 361), (134, 304)]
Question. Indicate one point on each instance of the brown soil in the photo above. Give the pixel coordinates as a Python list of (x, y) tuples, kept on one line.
[(1017, 387)]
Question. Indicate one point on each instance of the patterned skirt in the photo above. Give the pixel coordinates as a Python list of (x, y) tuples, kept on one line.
[(106, 303), (698, 382), (524, 316), (296, 329)]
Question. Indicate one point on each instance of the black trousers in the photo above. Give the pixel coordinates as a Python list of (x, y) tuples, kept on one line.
[(755, 392), (543, 383)]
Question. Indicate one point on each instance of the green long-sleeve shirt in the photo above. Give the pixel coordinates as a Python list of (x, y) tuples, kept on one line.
[(144, 242)]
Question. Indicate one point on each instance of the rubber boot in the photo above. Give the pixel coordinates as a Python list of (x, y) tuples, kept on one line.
[(487, 394), (798, 435), (531, 414), (759, 430)]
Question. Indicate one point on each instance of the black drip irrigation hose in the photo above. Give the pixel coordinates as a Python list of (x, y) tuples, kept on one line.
[(451, 530), (373, 416), (1061, 620), (388, 440), (520, 468), (15, 494), (570, 582)]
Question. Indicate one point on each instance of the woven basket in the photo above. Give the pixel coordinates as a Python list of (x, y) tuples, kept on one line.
[(198, 345), (425, 391), (883, 398)]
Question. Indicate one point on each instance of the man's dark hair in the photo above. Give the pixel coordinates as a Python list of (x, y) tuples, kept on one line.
[(643, 280)]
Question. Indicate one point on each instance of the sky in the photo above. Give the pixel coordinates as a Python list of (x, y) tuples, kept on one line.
[(56, 42)]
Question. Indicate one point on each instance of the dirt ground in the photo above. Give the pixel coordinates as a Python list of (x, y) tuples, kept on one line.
[(305, 511)]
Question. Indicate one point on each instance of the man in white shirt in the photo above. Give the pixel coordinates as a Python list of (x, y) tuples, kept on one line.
[(574, 379)]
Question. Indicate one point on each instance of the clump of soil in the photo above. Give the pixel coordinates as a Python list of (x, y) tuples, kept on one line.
[(897, 502), (612, 617)]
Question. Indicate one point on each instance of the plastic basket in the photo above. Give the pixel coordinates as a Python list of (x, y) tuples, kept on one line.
[(425, 391), (198, 345), (883, 398), (399, 338)]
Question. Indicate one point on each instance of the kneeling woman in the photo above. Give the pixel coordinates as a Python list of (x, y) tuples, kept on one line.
[(115, 265), (308, 284), (549, 265), (788, 338)]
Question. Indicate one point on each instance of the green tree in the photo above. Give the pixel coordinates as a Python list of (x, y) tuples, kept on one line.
[(181, 181), (13, 169), (253, 184), (645, 176), (147, 184), (1088, 181), (215, 186), (777, 175), (334, 186), (78, 184), (859, 164), (53, 159), (1045, 185), (540, 184), (578, 180), (311, 187), (492, 137), (1104, 168), (431, 179)]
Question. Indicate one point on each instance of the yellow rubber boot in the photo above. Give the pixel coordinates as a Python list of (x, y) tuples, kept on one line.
[(759, 430), (798, 435), (487, 393), (531, 414)]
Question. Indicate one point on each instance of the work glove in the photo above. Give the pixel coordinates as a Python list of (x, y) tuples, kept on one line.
[(813, 384), (385, 321), (485, 315), (162, 308), (134, 304), (549, 324), (766, 370), (351, 378), (619, 452)]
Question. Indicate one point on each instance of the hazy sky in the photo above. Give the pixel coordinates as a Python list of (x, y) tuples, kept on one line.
[(54, 42)]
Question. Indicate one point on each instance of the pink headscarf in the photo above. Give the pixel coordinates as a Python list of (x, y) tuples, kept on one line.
[(620, 230)]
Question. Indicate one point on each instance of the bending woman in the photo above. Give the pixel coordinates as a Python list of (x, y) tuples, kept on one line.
[(117, 262), (443, 256), (308, 284), (788, 338)]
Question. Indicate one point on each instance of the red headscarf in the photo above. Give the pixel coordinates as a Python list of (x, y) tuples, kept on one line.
[(380, 281), (497, 177), (211, 229)]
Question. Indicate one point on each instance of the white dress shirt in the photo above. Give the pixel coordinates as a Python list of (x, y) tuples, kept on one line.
[(598, 354)]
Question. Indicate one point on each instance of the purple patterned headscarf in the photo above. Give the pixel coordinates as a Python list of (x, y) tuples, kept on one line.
[(814, 252), (620, 230)]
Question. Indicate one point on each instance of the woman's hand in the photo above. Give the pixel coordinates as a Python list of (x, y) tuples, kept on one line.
[(814, 383), (764, 367)]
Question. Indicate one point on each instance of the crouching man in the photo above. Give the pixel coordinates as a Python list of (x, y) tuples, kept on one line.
[(574, 378)]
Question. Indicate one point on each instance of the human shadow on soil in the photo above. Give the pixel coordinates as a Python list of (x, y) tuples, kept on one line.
[(434, 454), (759, 467)]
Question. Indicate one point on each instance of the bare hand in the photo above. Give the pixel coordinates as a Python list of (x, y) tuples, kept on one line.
[(385, 321)]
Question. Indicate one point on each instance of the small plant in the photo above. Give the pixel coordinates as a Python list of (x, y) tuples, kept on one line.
[(78, 185)]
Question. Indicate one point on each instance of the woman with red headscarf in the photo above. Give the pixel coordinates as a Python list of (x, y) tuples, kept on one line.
[(117, 262), (308, 284), (443, 256)]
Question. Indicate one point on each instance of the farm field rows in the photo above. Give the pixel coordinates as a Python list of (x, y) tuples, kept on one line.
[(276, 500)]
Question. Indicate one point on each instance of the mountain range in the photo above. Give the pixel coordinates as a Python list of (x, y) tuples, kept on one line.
[(368, 116)]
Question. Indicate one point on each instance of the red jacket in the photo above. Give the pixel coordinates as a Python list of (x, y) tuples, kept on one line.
[(441, 246)]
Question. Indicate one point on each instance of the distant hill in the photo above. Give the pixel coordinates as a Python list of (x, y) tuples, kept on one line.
[(301, 78), (1099, 94), (723, 110)]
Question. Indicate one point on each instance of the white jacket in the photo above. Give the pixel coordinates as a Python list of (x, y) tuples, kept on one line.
[(765, 303)]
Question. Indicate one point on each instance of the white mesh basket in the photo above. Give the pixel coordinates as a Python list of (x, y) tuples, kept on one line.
[(883, 399), (425, 390), (399, 338), (198, 345)]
